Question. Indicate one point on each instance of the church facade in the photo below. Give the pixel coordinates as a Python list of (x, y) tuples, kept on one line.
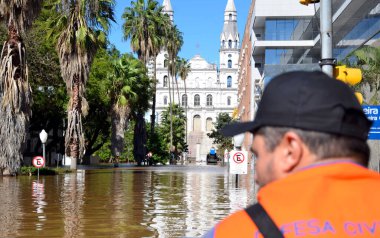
[(210, 89)]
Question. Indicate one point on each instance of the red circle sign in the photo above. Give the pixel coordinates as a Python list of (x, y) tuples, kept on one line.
[(38, 161), (238, 158)]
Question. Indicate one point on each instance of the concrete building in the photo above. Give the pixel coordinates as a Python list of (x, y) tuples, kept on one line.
[(210, 89), (284, 36)]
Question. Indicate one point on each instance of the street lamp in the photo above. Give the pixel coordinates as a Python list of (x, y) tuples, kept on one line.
[(238, 141), (43, 138)]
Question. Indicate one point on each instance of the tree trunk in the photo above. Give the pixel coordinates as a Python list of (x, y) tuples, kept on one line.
[(74, 132), (119, 115), (153, 116), (15, 100), (187, 102), (171, 113), (176, 83)]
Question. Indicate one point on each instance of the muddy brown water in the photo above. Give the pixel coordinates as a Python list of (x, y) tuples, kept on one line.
[(176, 201)]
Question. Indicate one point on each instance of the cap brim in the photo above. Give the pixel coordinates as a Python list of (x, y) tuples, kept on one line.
[(238, 128)]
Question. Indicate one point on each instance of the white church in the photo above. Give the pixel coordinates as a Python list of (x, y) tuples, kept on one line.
[(210, 89)]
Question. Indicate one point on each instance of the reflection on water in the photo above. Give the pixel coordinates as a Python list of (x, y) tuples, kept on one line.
[(124, 202)]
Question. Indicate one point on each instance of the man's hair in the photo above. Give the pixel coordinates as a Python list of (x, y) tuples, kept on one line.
[(323, 145)]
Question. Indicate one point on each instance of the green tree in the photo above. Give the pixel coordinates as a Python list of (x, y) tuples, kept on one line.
[(97, 124), (79, 28), (368, 59), (184, 68), (146, 26), (49, 92), (222, 120), (15, 93), (177, 131), (129, 90)]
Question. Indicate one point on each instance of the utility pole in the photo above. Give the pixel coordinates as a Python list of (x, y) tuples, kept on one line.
[(327, 62)]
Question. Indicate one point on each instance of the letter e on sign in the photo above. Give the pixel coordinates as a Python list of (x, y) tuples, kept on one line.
[(38, 161), (239, 158)]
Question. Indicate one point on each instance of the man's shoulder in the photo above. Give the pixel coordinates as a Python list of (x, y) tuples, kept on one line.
[(238, 223)]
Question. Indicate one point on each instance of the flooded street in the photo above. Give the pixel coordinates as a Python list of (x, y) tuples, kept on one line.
[(177, 201)]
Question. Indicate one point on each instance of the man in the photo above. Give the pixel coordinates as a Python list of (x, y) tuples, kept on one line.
[(310, 143)]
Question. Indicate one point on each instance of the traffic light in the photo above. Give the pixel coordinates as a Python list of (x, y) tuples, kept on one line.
[(307, 2), (350, 76)]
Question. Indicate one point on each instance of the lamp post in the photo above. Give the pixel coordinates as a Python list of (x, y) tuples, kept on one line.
[(238, 142), (43, 138)]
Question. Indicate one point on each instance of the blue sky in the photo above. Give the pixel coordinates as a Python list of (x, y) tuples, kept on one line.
[(201, 22)]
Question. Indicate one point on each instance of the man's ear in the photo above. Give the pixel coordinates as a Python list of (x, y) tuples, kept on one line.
[(292, 149)]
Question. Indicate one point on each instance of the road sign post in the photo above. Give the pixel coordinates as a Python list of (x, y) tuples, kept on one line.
[(238, 163), (38, 162)]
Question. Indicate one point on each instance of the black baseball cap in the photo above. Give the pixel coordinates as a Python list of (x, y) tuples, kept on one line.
[(310, 101)]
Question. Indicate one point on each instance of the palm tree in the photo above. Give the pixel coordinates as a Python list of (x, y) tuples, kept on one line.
[(173, 46), (146, 26), (130, 87), (184, 69), (80, 28), (15, 93)]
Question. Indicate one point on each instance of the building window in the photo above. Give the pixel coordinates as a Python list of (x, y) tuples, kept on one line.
[(209, 125), (209, 100), (184, 100), (230, 17), (165, 100), (165, 81), (197, 123), (166, 63), (230, 44), (236, 44), (223, 43), (197, 100), (228, 101), (229, 64), (229, 82), (229, 55)]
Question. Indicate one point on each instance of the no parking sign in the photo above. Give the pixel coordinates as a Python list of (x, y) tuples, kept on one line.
[(238, 162), (38, 161)]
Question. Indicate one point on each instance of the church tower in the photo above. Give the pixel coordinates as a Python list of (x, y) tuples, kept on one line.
[(167, 8), (229, 47)]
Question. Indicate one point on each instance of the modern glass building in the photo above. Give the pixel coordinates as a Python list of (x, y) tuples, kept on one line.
[(285, 33)]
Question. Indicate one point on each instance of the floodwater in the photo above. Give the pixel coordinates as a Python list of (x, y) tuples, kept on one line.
[(168, 201)]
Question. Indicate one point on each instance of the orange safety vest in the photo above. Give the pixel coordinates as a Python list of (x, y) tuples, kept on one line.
[(336, 199)]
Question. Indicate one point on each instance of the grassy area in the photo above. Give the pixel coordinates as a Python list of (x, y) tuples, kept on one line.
[(30, 170)]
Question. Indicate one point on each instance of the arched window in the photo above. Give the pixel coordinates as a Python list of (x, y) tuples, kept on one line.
[(197, 100), (209, 100), (165, 81), (166, 100), (236, 44), (228, 101), (230, 17), (229, 64), (209, 125), (166, 63), (229, 82), (230, 44), (184, 100), (197, 123), (223, 43)]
